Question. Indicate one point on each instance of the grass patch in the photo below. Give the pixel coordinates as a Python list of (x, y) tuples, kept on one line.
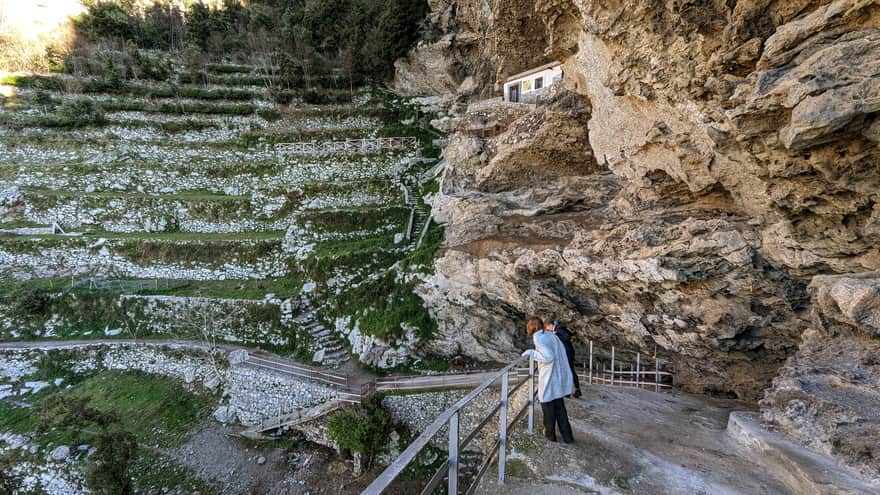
[(382, 306), (204, 107), (229, 68), (346, 221), (158, 410), (34, 81), (422, 257), (169, 91), (21, 420)]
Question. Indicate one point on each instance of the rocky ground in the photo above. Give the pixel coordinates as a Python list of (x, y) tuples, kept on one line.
[(221, 457), (631, 441)]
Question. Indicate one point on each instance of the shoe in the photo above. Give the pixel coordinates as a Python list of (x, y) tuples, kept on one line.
[(577, 393), (550, 439), (568, 440)]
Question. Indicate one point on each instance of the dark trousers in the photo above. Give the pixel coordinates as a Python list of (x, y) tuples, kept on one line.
[(577, 381), (556, 415)]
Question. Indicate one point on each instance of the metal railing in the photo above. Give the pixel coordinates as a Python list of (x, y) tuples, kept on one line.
[(449, 469), (348, 146), (343, 382), (637, 374)]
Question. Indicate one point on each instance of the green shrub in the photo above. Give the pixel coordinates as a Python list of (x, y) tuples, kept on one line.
[(34, 81), (326, 97), (172, 126), (81, 113), (361, 428), (32, 302), (229, 68), (270, 114), (281, 96), (199, 107)]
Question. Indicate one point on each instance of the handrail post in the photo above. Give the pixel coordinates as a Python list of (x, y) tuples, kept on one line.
[(453, 454), (591, 364), (638, 370), (656, 374), (502, 451), (612, 365), (531, 395)]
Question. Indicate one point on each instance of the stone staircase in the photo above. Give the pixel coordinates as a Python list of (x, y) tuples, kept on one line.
[(329, 350), (420, 215)]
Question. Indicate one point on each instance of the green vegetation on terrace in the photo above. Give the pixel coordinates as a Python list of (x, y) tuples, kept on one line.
[(215, 253), (362, 428), (353, 220), (85, 312), (116, 412), (156, 409), (184, 196), (267, 235), (221, 289)]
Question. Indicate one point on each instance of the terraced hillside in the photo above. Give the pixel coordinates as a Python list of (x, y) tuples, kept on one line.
[(167, 210)]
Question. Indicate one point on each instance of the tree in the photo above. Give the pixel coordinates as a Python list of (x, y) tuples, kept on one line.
[(361, 428), (108, 473)]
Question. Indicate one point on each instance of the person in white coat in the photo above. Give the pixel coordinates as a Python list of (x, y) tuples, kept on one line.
[(554, 379)]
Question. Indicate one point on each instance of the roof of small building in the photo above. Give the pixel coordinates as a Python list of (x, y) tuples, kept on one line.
[(529, 72)]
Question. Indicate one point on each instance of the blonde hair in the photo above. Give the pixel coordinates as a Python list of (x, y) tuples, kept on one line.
[(533, 325)]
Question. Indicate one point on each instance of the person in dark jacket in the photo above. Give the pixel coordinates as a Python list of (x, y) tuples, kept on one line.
[(565, 336)]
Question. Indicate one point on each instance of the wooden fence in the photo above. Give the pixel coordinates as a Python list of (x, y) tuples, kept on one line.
[(348, 146)]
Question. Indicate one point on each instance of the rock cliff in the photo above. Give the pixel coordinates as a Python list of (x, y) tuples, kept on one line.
[(703, 164)]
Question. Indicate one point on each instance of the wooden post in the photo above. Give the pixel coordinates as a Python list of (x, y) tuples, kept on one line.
[(591, 363), (656, 374), (638, 370), (612, 365)]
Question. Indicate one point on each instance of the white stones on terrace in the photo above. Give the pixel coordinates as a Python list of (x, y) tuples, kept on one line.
[(115, 152), (258, 394), (130, 134), (374, 351), (212, 172), (72, 260), (232, 318), (142, 213), (15, 366)]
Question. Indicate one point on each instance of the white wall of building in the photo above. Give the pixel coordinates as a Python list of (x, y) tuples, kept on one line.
[(528, 84)]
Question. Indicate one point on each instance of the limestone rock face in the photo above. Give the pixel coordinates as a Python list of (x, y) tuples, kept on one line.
[(827, 394), (709, 159), (475, 44)]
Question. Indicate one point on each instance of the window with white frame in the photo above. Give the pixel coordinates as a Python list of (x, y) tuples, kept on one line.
[(539, 83)]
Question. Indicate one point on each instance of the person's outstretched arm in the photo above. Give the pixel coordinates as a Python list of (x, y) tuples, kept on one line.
[(541, 353)]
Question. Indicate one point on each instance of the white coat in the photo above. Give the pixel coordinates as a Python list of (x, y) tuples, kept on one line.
[(554, 374)]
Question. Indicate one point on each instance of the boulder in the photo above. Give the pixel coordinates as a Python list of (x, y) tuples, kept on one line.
[(60, 453)]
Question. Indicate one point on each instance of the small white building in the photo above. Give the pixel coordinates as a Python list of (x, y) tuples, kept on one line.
[(527, 86)]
